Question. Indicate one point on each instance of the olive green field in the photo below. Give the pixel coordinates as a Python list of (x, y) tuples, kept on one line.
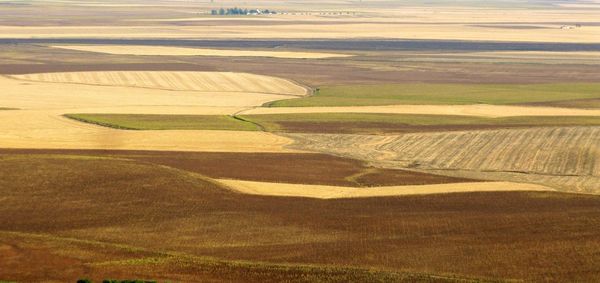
[(442, 94), (327, 122)]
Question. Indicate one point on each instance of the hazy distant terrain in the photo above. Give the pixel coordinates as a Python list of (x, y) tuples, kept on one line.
[(321, 141)]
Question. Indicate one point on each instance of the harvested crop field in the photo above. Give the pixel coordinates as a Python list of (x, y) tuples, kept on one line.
[(182, 51), (48, 129), (41, 125), (334, 192), (300, 168), (570, 154), (172, 212), (482, 110), (341, 123), (181, 81)]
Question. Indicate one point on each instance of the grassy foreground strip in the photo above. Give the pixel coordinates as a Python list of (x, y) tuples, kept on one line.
[(165, 122), (391, 94), (326, 122)]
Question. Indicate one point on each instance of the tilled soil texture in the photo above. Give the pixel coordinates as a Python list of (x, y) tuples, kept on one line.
[(371, 69), (299, 168), (162, 219)]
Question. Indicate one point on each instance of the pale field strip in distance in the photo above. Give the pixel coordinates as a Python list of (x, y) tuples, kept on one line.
[(568, 154), (586, 34), (180, 81), (480, 110), (334, 192), (182, 51), (40, 123)]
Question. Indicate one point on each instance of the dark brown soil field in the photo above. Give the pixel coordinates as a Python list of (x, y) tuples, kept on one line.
[(368, 67), (107, 217), (318, 169)]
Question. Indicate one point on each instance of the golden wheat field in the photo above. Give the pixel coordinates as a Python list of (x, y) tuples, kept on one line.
[(335, 192), (188, 81), (42, 100), (571, 153), (299, 141), (182, 51)]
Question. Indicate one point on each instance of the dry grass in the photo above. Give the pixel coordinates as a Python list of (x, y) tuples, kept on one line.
[(334, 192), (181, 51), (344, 30), (149, 209), (131, 92), (568, 153), (180, 81), (482, 110)]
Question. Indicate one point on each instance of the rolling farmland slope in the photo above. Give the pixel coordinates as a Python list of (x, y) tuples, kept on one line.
[(191, 81), (566, 158)]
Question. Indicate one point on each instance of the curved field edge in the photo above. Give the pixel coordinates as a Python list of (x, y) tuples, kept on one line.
[(175, 81), (338, 192), (146, 50), (565, 158), (299, 168), (363, 123), (102, 260), (173, 211), (165, 122), (442, 94)]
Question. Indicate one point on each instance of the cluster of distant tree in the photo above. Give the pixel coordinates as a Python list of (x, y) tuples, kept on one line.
[(240, 11)]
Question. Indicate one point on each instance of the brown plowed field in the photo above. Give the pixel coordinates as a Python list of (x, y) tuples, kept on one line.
[(299, 168), (151, 212)]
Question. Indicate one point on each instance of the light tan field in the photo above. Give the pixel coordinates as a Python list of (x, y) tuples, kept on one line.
[(47, 129), (482, 110), (333, 192), (567, 158), (181, 51), (214, 82), (40, 125), (587, 34)]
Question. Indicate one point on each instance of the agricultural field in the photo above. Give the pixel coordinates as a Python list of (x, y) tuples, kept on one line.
[(445, 94), (179, 51), (274, 237), (562, 157), (322, 141), (344, 123)]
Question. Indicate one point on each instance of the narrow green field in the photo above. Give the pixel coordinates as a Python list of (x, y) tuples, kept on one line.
[(165, 122), (373, 123), (359, 123), (391, 94)]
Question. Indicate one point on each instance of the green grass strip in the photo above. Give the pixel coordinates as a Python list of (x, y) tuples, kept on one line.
[(165, 122), (454, 94)]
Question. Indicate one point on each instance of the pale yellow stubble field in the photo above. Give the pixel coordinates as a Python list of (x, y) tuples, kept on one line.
[(316, 20), (334, 192), (181, 51), (587, 34), (39, 123)]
